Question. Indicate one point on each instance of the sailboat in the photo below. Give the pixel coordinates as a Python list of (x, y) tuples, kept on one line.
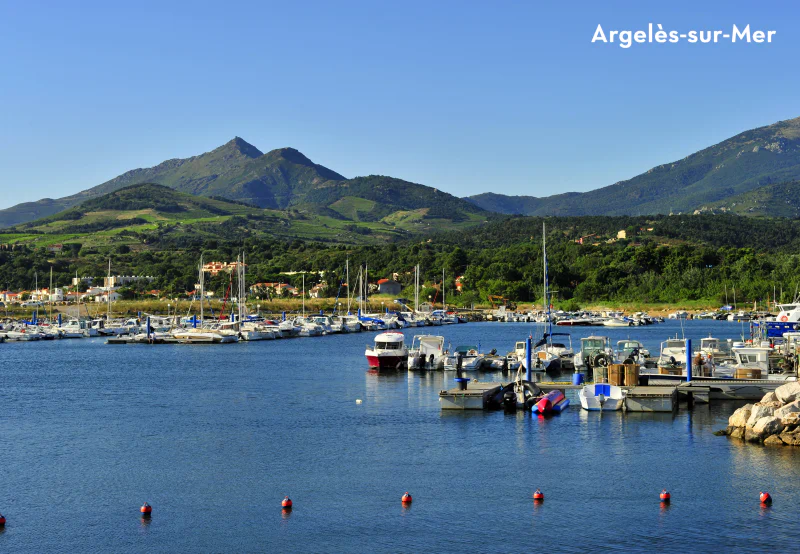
[(203, 335), (550, 356)]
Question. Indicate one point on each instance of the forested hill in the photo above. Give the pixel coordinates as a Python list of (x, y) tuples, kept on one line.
[(747, 161), (718, 231)]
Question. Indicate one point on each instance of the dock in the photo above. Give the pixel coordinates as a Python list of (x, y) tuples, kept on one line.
[(640, 398)]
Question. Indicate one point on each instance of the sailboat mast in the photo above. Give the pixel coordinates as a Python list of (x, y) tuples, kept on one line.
[(544, 261), (108, 291), (304, 295), (444, 298), (50, 295), (347, 273), (202, 289)]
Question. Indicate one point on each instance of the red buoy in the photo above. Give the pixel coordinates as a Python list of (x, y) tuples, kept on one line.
[(287, 503), (664, 496), (146, 509), (765, 498), (538, 496), (2, 520), (406, 499)]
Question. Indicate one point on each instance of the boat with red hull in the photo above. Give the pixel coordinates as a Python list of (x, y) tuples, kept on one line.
[(388, 353)]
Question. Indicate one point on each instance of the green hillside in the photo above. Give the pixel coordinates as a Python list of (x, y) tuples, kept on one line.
[(779, 200), (151, 216), (279, 180), (752, 159)]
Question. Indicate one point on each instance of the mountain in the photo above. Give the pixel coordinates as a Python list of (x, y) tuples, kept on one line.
[(236, 170), (750, 160), (150, 216), (278, 180), (778, 200)]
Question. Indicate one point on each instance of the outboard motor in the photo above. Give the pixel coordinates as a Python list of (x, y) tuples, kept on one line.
[(510, 400)]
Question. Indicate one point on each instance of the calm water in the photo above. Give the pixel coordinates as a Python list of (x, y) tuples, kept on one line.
[(214, 437)]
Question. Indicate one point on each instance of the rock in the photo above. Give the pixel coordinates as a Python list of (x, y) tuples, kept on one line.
[(790, 420), (736, 433), (740, 416), (773, 440), (759, 412), (769, 397), (764, 427), (788, 392), (789, 408), (722, 432), (792, 439)]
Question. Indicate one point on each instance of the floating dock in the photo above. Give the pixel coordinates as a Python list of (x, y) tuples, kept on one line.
[(654, 398)]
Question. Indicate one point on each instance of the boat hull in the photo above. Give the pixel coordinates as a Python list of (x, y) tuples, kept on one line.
[(382, 362)]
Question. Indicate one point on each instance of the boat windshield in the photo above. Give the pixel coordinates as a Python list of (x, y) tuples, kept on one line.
[(593, 344), (465, 349), (388, 345)]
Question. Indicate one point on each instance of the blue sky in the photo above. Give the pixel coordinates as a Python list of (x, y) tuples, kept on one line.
[(468, 97)]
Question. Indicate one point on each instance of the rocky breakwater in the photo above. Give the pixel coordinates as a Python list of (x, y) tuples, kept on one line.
[(775, 420)]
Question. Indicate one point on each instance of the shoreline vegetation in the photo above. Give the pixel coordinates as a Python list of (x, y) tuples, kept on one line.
[(313, 305)]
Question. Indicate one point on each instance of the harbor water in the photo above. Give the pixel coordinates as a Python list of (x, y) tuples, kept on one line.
[(214, 437)]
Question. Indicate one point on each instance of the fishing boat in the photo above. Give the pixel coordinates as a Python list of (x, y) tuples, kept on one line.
[(426, 352), (388, 352), (601, 397)]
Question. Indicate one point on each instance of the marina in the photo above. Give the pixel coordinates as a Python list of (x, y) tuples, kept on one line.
[(240, 415)]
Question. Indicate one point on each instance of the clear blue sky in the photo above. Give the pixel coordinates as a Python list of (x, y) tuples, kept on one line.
[(468, 97)]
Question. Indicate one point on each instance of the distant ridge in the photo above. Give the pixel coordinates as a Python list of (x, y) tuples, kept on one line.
[(747, 161)]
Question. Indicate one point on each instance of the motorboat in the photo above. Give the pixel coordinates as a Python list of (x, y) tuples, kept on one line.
[(426, 352), (388, 351), (203, 336), (632, 352), (595, 351), (464, 358), (602, 397), (618, 322), (673, 355)]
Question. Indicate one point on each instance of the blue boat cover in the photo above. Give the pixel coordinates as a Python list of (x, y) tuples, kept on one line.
[(602, 389)]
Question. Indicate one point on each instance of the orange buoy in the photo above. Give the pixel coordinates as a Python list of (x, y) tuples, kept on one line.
[(664, 496), (538, 496), (146, 509), (765, 498), (2, 520), (287, 503), (406, 498)]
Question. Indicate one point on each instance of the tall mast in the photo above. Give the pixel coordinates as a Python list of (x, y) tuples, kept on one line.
[(544, 258), (444, 298), (50, 295), (108, 291), (347, 272), (202, 289), (304, 294)]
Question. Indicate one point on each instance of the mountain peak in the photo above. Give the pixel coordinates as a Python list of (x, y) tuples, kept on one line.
[(291, 154), (240, 146)]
